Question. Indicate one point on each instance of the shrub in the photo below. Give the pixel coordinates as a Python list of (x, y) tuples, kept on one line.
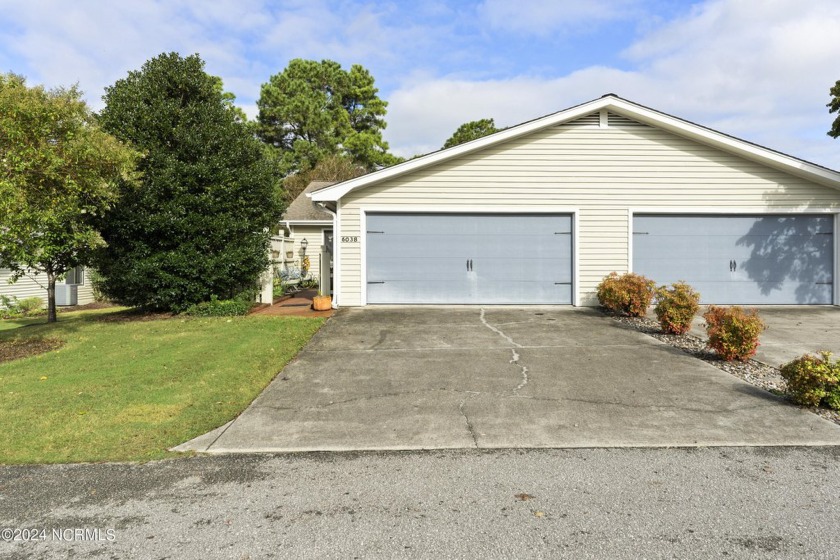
[(309, 282), (629, 293), (96, 285), (813, 380), (14, 308), (676, 307), (733, 333), (220, 307), (30, 307)]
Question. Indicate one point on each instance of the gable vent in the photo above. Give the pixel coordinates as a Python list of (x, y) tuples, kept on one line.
[(619, 121), (592, 119)]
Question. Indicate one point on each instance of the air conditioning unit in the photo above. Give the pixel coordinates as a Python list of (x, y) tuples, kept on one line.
[(66, 294)]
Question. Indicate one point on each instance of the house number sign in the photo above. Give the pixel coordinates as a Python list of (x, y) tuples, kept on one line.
[(350, 239)]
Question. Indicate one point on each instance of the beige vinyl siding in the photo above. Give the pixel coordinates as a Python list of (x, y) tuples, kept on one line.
[(601, 172), (27, 287), (314, 236)]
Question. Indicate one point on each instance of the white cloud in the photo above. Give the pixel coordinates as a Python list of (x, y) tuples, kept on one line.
[(539, 17), (760, 73), (756, 70)]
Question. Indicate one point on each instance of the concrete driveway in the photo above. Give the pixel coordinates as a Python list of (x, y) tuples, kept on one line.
[(461, 377)]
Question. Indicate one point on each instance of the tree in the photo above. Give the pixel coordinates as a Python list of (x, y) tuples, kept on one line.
[(331, 168), (199, 226), (834, 107), (58, 173), (314, 109), (471, 131)]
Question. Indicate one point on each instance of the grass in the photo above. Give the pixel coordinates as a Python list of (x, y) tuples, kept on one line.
[(9, 324), (127, 390)]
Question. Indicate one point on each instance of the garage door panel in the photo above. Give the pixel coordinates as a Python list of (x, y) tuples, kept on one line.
[(762, 293), (468, 258), (507, 292), (523, 270), (767, 259), (404, 268), (388, 246), (417, 291)]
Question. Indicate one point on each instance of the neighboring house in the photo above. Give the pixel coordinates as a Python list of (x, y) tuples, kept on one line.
[(75, 289), (304, 219), (539, 213)]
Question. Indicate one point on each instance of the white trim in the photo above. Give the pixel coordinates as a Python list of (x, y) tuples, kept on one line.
[(337, 256), (729, 210), (477, 209), (623, 107), (630, 240), (746, 212), (836, 236), (461, 209), (308, 222), (362, 257), (575, 260)]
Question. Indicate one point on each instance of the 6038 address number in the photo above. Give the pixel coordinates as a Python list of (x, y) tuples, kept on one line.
[(350, 239)]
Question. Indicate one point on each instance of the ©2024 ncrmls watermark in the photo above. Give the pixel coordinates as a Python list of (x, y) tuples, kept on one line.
[(74, 534)]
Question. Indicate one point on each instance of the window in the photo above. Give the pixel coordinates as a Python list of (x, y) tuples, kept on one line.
[(75, 276)]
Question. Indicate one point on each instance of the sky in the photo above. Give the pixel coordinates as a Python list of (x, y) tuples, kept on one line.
[(760, 70)]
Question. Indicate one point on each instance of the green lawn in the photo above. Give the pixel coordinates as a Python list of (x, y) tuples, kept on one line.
[(129, 390), (9, 324)]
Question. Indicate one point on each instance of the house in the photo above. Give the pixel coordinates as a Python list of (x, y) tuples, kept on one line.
[(539, 213), (306, 230), (74, 289)]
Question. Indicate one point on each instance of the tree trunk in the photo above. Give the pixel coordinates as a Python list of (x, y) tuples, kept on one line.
[(51, 318)]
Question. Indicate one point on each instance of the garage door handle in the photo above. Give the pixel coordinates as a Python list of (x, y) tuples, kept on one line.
[(730, 265), (734, 266)]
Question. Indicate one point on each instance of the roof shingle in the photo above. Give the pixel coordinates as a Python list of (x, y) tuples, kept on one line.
[(302, 208)]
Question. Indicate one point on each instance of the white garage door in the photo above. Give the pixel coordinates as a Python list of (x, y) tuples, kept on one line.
[(751, 260), (469, 258)]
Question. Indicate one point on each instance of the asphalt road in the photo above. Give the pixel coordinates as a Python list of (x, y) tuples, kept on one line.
[(582, 503)]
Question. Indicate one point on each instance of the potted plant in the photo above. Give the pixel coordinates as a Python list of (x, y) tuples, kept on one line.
[(321, 302)]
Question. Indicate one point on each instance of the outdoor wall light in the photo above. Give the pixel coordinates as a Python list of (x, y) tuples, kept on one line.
[(304, 244)]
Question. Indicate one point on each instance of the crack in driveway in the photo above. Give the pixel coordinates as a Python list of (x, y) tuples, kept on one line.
[(515, 359), (497, 331), (470, 428)]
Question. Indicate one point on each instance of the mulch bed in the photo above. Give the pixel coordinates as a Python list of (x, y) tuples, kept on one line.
[(86, 307), (753, 372), (16, 349), (133, 315)]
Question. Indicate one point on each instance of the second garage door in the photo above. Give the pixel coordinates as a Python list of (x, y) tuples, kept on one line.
[(751, 260), (469, 258)]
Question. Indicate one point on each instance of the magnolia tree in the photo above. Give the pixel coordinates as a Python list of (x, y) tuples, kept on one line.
[(58, 173), (199, 226)]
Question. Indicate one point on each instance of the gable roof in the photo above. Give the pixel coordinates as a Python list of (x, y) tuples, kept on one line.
[(608, 103), (302, 209)]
